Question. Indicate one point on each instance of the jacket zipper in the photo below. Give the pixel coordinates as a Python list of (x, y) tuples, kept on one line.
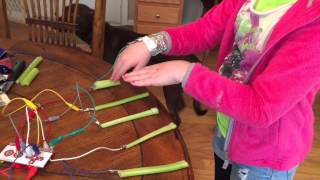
[(232, 122), (226, 144)]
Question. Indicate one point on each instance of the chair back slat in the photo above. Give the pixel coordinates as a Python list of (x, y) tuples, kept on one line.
[(63, 20), (40, 18), (74, 22), (33, 16), (69, 21), (56, 18), (26, 7), (50, 23), (69, 12), (50, 19), (45, 17)]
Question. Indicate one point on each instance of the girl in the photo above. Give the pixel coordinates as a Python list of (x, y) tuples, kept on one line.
[(267, 79)]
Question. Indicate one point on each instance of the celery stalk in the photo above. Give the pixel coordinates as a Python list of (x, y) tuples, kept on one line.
[(157, 132), (150, 112), (122, 101), (153, 169), (26, 81), (104, 84), (34, 64)]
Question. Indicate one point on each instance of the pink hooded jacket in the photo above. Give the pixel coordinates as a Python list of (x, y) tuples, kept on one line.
[(272, 112)]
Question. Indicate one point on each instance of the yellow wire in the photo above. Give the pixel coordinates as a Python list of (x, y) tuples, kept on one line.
[(34, 98), (32, 106), (49, 90), (57, 94), (5, 107)]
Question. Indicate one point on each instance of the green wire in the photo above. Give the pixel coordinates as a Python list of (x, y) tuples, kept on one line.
[(94, 105), (80, 130), (153, 169)]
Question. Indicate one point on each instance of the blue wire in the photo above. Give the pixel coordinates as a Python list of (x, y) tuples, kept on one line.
[(65, 168), (71, 166)]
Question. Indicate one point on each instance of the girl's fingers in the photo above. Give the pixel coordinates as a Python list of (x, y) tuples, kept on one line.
[(139, 75), (137, 78), (139, 72), (147, 69), (144, 82), (121, 69), (115, 71)]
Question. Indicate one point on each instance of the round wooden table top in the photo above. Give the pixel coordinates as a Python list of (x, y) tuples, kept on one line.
[(62, 68)]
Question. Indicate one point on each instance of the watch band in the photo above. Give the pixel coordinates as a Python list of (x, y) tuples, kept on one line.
[(156, 43)]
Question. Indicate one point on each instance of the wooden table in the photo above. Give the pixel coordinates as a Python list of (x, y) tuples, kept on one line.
[(61, 69)]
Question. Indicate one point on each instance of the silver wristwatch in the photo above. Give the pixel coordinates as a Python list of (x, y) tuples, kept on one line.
[(156, 43)]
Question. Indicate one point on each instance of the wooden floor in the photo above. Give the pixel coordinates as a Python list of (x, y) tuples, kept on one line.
[(198, 132)]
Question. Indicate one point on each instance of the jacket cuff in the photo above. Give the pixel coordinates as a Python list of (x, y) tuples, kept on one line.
[(168, 41), (187, 74)]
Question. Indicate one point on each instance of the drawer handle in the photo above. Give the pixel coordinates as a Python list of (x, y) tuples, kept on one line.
[(157, 15)]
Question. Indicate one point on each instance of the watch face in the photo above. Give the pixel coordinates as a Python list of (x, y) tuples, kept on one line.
[(151, 45)]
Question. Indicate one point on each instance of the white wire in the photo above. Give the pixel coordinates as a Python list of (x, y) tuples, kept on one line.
[(28, 125), (85, 154), (41, 126)]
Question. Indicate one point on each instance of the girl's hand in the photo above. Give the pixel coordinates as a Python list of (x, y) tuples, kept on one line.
[(134, 56), (162, 74)]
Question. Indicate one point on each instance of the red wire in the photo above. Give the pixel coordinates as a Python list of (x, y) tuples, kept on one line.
[(3, 172), (23, 123), (32, 172)]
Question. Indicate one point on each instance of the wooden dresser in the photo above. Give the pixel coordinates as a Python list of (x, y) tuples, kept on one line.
[(154, 15)]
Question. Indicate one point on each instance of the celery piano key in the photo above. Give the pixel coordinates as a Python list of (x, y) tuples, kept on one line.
[(122, 101), (105, 84), (150, 112), (157, 132), (34, 64), (153, 169)]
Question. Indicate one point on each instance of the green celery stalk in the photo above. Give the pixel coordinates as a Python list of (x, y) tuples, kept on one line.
[(153, 169), (150, 112), (26, 81), (122, 101), (104, 84), (33, 64), (157, 132)]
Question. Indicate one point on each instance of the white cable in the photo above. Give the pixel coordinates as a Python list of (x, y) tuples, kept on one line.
[(41, 126), (85, 154), (28, 125)]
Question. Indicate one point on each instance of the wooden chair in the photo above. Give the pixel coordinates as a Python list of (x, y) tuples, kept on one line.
[(47, 25), (4, 31)]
